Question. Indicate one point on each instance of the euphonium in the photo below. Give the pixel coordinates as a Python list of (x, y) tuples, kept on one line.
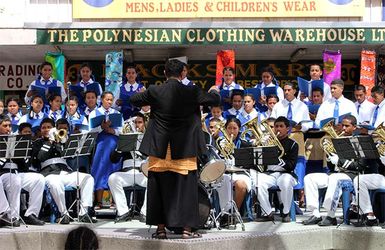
[(379, 134), (225, 145), (266, 138), (129, 126), (326, 143)]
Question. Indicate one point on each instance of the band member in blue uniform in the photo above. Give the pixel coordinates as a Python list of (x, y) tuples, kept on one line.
[(78, 122), (13, 111), (126, 90), (54, 112), (44, 80), (88, 83), (35, 115), (90, 99), (268, 80), (106, 143)]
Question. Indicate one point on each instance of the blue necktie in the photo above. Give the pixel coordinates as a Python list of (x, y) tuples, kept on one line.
[(13, 119), (336, 110), (358, 109), (106, 115), (54, 115), (131, 88), (248, 117), (290, 112), (375, 115), (236, 113)]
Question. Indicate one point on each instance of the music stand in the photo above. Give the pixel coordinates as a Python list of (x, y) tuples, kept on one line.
[(257, 158), (15, 147), (128, 143), (79, 145), (356, 147)]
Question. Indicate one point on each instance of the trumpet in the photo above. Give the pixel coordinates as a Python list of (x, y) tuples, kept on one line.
[(58, 135), (225, 145), (379, 135), (264, 139)]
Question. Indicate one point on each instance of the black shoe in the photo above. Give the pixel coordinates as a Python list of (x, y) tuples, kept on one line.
[(269, 217), (64, 220), (370, 222), (312, 220), (352, 214), (33, 220), (328, 221), (85, 218), (3, 219), (123, 217), (224, 221), (286, 218)]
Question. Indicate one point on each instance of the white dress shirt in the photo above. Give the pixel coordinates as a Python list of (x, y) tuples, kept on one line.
[(300, 112), (380, 114), (326, 109), (365, 112)]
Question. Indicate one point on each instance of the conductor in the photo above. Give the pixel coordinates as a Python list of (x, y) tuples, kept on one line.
[(173, 140)]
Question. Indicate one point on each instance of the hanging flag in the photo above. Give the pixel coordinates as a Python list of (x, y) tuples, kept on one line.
[(114, 71), (368, 70), (332, 66), (381, 71), (225, 58), (57, 60)]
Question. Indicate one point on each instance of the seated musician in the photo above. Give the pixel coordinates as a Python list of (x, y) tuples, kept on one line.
[(10, 182), (345, 170), (281, 175), (236, 104), (47, 158), (241, 180), (125, 177)]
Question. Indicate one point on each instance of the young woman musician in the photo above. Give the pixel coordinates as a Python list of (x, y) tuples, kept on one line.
[(268, 80), (35, 114), (241, 180), (87, 81), (44, 80), (54, 112), (13, 110), (126, 90), (78, 122), (105, 145)]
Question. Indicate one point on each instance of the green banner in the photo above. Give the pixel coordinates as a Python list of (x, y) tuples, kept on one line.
[(212, 36)]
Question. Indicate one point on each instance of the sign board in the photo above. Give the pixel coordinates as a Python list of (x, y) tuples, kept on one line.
[(17, 76), (143, 9)]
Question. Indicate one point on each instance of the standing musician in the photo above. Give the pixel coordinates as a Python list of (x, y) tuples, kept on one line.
[(378, 96), (125, 177), (365, 108), (126, 90), (47, 158), (315, 74), (337, 106), (173, 140), (106, 143), (281, 175), (44, 80), (346, 169)]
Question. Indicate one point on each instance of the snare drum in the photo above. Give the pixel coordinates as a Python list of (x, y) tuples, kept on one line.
[(212, 166)]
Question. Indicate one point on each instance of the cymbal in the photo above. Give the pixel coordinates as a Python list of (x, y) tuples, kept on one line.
[(233, 169)]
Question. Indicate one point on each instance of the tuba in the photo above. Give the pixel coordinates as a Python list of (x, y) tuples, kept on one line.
[(379, 135), (225, 145), (326, 143)]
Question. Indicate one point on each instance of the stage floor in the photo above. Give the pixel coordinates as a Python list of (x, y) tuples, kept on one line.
[(257, 235)]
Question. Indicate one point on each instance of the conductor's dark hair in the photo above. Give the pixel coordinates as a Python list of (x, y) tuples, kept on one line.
[(82, 238), (173, 68), (62, 121), (284, 120)]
